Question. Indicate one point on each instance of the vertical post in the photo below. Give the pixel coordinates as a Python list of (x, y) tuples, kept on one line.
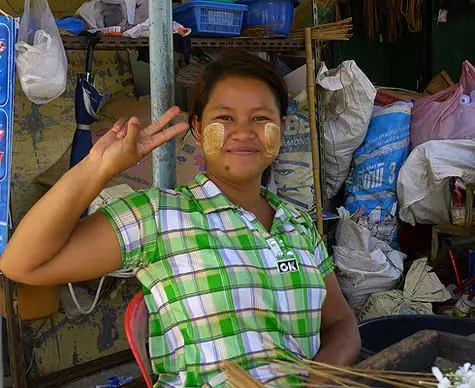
[(162, 86), (15, 344), (317, 51), (314, 130)]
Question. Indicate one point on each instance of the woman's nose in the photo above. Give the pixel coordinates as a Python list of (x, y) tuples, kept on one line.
[(244, 130)]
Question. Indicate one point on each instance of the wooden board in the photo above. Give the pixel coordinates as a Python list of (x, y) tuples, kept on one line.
[(419, 352)]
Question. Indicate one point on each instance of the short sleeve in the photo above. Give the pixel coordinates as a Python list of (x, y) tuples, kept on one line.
[(323, 261), (134, 219)]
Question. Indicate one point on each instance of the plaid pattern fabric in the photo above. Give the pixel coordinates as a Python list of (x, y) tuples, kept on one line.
[(212, 284)]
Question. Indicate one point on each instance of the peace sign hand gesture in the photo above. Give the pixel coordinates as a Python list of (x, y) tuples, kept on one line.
[(127, 142)]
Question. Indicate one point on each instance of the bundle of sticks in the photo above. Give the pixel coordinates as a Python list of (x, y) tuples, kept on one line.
[(339, 30), (383, 17), (327, 375)]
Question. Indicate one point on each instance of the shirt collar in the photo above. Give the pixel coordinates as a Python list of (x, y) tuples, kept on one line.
[(283, 212), (211, 199)]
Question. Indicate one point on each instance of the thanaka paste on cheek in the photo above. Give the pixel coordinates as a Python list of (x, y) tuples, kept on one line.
[(213, 138), (272, 140)]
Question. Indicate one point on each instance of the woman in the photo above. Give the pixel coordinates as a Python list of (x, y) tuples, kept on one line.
[(229, 271)]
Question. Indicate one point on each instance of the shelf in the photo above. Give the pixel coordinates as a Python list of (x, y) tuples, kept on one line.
[(251, 44), (455, 230), (109, 43)]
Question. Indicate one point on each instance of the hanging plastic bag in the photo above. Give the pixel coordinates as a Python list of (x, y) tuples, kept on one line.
[(430, 112), (442, 116), (41, 60)]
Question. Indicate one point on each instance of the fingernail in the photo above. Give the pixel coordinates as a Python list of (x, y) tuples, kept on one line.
[(134, 120)]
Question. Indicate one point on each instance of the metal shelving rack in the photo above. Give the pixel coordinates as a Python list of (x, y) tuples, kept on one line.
[(270, 45)]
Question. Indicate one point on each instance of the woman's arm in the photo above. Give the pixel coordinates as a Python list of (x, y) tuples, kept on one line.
[(340, 339), (51, 245)]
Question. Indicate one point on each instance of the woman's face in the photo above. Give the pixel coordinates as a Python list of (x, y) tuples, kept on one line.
[(240, 129)]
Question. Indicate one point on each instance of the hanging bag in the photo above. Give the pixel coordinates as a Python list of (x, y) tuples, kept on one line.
[(442, 116), (41, 60)]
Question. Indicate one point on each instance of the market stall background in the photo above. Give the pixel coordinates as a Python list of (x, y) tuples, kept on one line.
[(43, 134)]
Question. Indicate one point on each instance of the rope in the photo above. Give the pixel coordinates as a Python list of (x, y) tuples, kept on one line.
[(412, 10)]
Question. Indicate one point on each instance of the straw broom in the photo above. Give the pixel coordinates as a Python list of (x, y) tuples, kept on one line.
[(340, 30), (326, 375), (331, 375)]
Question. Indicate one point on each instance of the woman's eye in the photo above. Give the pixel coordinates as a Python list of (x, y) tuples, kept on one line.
[(225, 118), (261, 118)]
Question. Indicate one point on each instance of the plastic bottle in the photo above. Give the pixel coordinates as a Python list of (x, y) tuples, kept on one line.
[(464, 306), (116, 382)]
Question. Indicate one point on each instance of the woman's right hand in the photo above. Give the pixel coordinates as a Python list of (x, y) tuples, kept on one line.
[(127, 142)]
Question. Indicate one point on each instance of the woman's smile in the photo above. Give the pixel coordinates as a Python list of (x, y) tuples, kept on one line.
[(244, 150)]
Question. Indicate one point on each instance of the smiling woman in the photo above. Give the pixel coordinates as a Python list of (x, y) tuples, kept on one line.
[(229, 271)]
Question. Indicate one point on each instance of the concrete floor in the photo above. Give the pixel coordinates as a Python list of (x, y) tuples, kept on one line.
[(100, 379)]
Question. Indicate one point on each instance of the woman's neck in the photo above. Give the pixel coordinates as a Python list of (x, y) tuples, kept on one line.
[(247, 195)]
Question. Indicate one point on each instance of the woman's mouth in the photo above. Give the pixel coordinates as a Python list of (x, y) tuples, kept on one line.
[(244, 150)]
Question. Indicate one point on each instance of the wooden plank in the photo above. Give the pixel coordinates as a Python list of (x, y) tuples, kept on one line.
[(15, 344), (62, 377), (456, 348), (455, 230), (413, 354)]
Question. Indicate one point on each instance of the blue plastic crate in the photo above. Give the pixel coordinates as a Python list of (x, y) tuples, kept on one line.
[(7, 83), (277, 15), (207, 18)]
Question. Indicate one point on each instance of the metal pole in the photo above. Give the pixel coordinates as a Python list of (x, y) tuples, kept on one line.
[(162, 86)]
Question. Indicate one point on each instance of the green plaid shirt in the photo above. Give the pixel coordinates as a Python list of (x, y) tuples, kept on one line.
[(218, 285)]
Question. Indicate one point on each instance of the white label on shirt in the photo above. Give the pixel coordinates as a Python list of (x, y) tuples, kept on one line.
[(288, 266)]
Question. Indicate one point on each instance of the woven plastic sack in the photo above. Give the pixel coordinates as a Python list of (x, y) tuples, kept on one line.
[(371, 185), (41, 60), (364, 265), (348, 97)]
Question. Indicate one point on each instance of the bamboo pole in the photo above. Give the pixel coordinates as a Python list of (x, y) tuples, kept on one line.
[(314, 136)]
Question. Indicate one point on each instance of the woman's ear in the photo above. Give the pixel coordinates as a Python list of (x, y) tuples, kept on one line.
[(283, 120), (196, 128)]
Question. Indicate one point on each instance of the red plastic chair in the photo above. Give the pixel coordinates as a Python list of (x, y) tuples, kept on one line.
[(136, 328)]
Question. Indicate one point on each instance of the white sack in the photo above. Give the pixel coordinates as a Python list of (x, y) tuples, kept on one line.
[(423, 189), (348, 99), (364, 264)]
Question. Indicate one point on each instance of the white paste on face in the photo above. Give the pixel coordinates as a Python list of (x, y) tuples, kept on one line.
[(213, 138)]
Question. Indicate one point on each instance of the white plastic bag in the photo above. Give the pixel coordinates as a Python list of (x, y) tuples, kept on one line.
[(348, 99), (422, 187), (41, 60), (100, 14), (364, 264)]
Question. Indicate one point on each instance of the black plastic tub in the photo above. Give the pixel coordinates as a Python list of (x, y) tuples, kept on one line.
[(379, 333)]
